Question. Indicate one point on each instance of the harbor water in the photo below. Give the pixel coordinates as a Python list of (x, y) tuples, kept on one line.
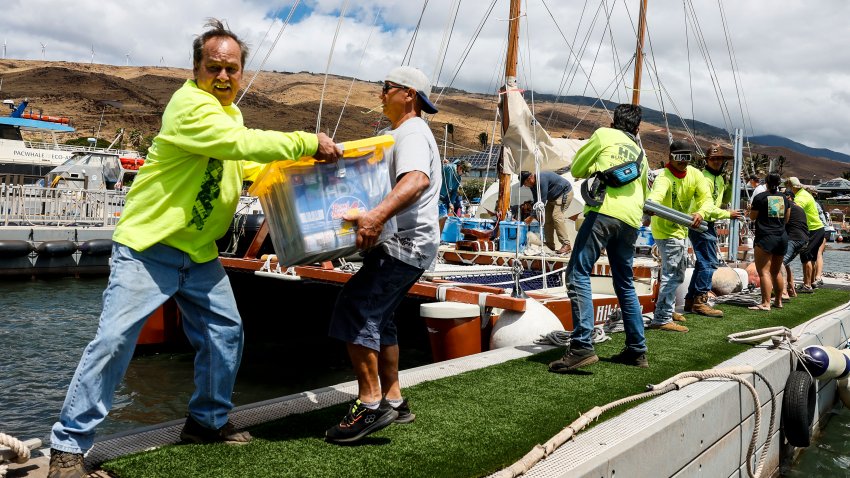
[(47, 324)]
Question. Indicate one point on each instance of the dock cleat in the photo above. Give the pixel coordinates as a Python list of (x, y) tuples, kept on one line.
[(361, 421), (194, 432), (64, 464)]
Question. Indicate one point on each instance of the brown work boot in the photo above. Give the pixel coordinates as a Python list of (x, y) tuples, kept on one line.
[(668, 327), (701, 307), (66, 465), (677, 317), (689, 304)]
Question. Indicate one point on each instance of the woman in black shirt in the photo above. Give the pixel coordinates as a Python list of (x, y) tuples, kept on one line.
[(770, 211)]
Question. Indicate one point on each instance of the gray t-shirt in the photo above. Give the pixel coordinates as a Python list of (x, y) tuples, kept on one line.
[(418, 234)]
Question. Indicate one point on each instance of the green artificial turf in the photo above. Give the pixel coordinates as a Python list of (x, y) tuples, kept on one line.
[(474, 423)]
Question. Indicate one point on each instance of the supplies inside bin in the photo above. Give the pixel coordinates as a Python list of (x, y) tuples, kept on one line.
[(304, 201)]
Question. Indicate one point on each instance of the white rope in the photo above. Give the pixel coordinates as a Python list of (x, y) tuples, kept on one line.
[(354, 77), (271, 48), (328, 65), (21, 450)]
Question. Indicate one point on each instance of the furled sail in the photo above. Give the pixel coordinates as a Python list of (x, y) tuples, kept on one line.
[(524, 135)]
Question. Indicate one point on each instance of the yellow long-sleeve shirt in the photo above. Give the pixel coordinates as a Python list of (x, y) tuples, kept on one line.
[(186, 193), (606, 148), (670, 191)]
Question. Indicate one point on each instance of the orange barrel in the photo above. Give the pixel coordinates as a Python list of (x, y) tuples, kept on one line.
[(453, 328)]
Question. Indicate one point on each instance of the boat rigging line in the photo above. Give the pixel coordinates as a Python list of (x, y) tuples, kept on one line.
[(444, 44), (271, 48), (354, 77), (408, 54), (466, 50), (328, 65)]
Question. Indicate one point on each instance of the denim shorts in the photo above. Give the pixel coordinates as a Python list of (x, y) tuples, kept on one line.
[(363, 314), (794, 248)]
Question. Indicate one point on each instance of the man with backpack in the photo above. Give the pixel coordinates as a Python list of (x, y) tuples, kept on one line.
[(611, 223)]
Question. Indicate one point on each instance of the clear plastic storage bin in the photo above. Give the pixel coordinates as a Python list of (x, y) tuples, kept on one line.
[(304, 201)]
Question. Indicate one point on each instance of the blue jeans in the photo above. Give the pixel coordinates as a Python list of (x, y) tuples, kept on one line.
[(618, 239), (139, 283), (672, 252), (705, 250)]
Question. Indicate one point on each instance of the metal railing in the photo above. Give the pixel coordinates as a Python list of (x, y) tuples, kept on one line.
[(75, 148), (27, 205)]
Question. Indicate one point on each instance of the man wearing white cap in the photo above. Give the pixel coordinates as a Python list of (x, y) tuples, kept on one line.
[(363, 315), (809, 255)]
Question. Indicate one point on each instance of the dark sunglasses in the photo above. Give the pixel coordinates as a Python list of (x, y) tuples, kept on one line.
[(388, 86)]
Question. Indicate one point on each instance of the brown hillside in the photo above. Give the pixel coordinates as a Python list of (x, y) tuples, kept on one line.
[(134, 98)]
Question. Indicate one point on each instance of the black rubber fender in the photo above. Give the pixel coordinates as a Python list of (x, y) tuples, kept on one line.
[(59, 248), (97, 247), (14, 248), (798, 408)]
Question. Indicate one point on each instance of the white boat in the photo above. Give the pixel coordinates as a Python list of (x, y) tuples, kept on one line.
[(23, 161)]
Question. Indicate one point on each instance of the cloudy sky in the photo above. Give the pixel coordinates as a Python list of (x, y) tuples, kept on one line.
[(791, 58)]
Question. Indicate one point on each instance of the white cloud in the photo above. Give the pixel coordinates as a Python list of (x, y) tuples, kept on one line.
[(791, 55)]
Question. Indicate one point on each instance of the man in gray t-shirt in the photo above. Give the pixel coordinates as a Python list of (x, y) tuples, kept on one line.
[(363, 315)]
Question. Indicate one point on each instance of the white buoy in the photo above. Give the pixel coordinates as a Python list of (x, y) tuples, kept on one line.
[(682, 290), (523, 328), (728, 280)]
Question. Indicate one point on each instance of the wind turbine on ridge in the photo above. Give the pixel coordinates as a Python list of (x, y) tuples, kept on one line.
[(43, 47)]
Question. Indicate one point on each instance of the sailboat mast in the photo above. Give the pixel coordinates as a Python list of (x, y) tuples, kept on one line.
[(639, 54), (504, 199)]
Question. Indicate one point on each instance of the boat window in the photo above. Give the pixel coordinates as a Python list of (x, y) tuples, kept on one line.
[(10, 132), (75, 158)]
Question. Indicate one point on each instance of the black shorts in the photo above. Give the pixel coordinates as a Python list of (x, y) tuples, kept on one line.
[(816, 238), (773, 244), (364, 309)]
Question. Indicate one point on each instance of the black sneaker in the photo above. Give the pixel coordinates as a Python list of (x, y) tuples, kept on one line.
[(64, 464), (194, 432), (629, 357), (404, 415), (805, 290), (573, 359), (361, 421)]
